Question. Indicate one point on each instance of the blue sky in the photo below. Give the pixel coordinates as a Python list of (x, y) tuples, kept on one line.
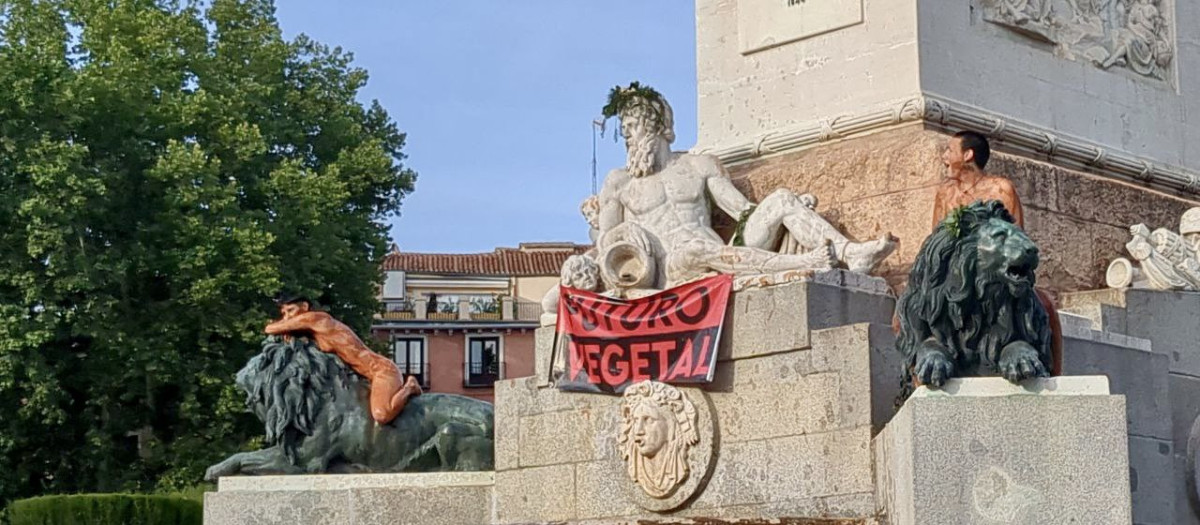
[(497, 98)]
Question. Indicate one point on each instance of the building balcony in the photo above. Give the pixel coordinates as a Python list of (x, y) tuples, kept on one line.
[(482, 373), (419, 370), (504, 310)]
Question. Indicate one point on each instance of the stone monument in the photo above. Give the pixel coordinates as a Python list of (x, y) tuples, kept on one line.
[(850, 101), (846, 103), (655, 214), (1159, 377), (653, 219)]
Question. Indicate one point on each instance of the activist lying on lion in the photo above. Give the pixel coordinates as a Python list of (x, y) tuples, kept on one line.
[(318, 420), (970, 308)]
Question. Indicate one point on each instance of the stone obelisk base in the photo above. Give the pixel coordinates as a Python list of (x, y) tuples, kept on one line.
[(987, 451)]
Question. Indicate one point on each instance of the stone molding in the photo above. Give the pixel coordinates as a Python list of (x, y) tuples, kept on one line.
[(322, 482), (998, 386), (942, 113)]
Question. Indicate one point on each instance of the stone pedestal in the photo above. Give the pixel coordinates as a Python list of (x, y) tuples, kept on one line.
[(805, 376), (1162, 385), (796, 426), (986, 451), (458, 498)]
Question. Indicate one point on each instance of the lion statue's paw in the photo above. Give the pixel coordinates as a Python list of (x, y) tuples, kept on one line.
[(222, 469), (1019, 361), (933, 367)]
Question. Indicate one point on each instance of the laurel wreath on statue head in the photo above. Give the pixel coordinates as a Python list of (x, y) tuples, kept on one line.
[(621, 99)]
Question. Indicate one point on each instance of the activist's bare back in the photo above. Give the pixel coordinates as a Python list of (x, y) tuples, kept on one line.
[(671, 204)]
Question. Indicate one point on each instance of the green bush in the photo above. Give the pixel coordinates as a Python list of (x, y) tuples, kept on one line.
[(106, 509), (191, 492)]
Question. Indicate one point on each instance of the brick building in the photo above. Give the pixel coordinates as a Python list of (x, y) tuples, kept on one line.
[(459, 322)]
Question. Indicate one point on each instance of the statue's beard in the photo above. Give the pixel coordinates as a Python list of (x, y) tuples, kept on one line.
[(642, 154)]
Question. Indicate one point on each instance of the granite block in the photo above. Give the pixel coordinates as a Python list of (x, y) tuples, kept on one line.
[(1151, 480), (1037, 455), (1139, 375), (446, 498), (535, 495)]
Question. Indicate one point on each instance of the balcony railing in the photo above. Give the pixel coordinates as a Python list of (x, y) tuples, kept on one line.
[(503, 310), (528, 310), (483, 373), (417, 370)]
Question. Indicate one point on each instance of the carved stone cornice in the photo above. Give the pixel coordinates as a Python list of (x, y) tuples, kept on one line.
[(1057, 148), (1008, 134), (821, 131)]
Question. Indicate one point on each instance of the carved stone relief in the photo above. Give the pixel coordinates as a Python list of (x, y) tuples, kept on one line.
[(1163, 259), (666, 443), (1134, 34)]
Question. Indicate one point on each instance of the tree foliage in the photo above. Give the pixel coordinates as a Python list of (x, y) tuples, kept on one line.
[(165, 168)]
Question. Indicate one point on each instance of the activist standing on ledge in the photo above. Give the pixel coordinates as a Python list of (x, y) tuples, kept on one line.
[(965, 157)]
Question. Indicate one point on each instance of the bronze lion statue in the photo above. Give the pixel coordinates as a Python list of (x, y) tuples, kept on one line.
[(317, 421), (970, 308)]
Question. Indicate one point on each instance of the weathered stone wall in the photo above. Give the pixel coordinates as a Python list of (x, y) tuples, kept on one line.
[(884, 182), (969, 60), (983, 450), (1164, 393), (442, 498), (794, 407), (1140, 375), (945, 50), (741, 96)]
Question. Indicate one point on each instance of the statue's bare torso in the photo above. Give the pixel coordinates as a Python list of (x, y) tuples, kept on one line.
[(672, 204)]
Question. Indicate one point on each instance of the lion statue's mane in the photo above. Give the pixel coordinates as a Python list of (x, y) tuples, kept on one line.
[(315, 412), (971, 311)]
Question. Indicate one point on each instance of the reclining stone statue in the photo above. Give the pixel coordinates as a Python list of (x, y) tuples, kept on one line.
[(1165, 260), (656, 212), (652, 219)]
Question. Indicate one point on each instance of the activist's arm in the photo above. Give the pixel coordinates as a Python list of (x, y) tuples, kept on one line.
[(303, 322)]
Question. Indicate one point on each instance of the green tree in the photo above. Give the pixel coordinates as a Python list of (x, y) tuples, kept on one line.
[(165, 168)]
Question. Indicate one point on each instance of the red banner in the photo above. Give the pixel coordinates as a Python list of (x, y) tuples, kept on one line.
[(670, 336)]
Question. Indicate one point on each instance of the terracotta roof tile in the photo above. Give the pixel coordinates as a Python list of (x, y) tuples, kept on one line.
[(531, 259)]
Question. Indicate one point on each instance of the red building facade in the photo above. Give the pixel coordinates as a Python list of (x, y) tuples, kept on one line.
[(460, 322)]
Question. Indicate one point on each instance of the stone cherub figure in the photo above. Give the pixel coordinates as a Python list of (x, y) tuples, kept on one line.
[(1165, 260), (655, 214)]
